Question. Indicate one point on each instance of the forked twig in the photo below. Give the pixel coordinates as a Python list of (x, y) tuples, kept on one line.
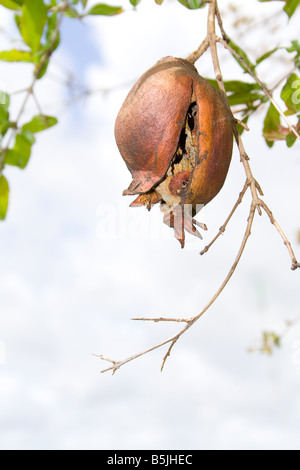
[(223, 227), (173, 339)]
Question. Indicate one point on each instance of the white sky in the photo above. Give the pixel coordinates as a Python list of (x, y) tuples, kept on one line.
[(71, 278)]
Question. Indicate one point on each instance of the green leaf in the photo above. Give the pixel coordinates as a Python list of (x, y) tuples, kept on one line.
[(4, 101), (291, 6), (266, 55), (4, 114), (290, 140), (270, 340), (104, 9), (134, 2), (242, 93), (5, 126), (32, 22), (196, 4), (192, 4), (4, 194), (72, 13), (40, 123), (20, 154), (271, 128), (236, 86), (52, 41), (247, 98), (51, 32), (290, 94), (12, 4), (39, 73), (295, 47), (17, 19), (14, 55)]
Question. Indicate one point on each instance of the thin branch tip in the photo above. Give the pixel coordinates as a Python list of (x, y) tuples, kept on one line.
[(295, 265), (163, 319)]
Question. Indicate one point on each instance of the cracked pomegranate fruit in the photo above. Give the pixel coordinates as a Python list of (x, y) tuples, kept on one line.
[(175, 134)]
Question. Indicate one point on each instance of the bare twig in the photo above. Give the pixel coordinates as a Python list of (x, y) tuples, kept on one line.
[(287, 243), (179, 320), (220, 22), (213, 48), (241, 123), (199, 52), (223, 227)]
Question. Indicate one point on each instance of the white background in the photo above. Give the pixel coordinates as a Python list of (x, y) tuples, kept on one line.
[(77, 264)]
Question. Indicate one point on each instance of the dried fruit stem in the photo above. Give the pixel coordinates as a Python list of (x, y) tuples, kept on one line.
[(194, 56)]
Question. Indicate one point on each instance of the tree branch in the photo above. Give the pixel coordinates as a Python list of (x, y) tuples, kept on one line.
[(257, 204)]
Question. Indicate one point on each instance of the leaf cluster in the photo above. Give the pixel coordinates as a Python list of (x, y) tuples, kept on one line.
[(290, 95), (39, 24)]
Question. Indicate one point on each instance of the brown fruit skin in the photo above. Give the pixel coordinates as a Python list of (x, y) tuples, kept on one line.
[(149, 123), (179, 183), (215, 142)]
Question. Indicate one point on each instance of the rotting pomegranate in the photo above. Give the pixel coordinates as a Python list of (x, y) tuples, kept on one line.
[(174, 132)]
